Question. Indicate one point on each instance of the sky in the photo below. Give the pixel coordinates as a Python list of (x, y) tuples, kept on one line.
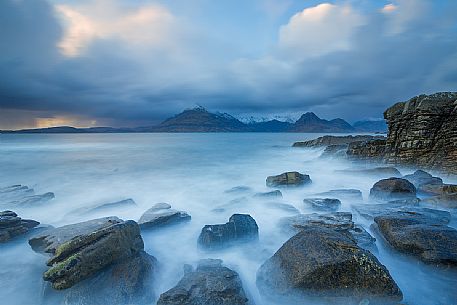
[(136, 62)]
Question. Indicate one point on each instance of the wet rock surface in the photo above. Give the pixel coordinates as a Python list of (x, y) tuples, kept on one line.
[(335, 140), (420, 177), (322, 262), (335, 151), (209, 284), (11, 225), (288, 179), (81, 250), (393, 189), (418, 234), (381, 171), (323, 204), (343, 194), (272, 194), (161, 215), (239, 228)]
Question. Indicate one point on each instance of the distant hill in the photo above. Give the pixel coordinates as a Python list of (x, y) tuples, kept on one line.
[(371, 126), (201, 120)]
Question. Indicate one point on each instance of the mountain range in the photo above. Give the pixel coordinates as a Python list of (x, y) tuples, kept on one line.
[(201, 120)]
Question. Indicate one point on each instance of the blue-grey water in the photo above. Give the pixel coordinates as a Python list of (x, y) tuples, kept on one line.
[(192, 173)]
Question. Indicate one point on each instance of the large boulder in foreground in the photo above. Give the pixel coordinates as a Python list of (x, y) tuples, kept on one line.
[(209, 284), (161, 215), (239, 228), (322, 262), (12, 225), (418, 234), (288, 179), (81, 250), (393, 189)]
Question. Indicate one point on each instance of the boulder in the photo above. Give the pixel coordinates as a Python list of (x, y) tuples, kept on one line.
[(239, 228), (161, 215), (393, 189), (321, 262), (209, 284), (288, 179), (415, 233), (12, 225), (323, 204), (79, 251), (421, 177), (238, 189), (272, 194), (343, 194)]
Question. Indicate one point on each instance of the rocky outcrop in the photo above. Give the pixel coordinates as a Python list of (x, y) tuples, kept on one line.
[(288, 179), (81, 250), (393, 189), (209, 284), (372, 150), (415, 233), (161, 215), (12, 225), (239, 228), (322, 204), (324, 263), (335, 140), (335, 151)]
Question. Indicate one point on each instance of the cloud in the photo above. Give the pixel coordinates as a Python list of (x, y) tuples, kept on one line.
[(319, 30), (105, 19)]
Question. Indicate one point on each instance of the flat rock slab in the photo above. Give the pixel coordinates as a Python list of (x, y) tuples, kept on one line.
[(209, 284), (427, 238), (288, 179), (239, 228), (81, 250), (12, 225), (322, 262), (323, 204), (161, 215), (393, 189)]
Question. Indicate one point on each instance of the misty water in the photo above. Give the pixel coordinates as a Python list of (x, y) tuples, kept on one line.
[(192, 172)]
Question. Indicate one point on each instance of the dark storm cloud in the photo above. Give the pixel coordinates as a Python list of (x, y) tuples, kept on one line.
[(118, 81)]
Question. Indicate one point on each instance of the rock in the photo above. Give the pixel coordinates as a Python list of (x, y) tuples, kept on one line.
[(343, 194), (393, 189), (238, 189), (444, 200), (383, 171), (338, 221), (321, 262), (113, 205), (335, 151), (239, 228), (414, 233), (81, 250), (335, 140), (423, 132), (282, 206), (288, 179), (128, 282), (373, 150), (272, 194), (11, 225), (421, 177), (209, 284), (323, 204), (438, 189), (161, 215), (14, 192), (30, 201)]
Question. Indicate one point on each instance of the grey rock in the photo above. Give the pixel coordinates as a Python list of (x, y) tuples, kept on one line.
[(33, 200), (11, 225), (324, 263), (288, 179), (335, 151), (382, 171), (282, 206), (239, 228), (323, 204), (238, 189), (343, 194), (272, 194), (420, 177), (209, 284), (393, 189), (161, 215)]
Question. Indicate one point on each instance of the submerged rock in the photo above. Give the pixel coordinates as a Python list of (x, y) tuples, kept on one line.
[(383, 171), (415, 233), (343, 194), (324, 263), (161, 215), (323, 204), (209, 284), (81, 250), (33, 200), (12, 225), (113, 205), (14, 192), (420, 177), (272, 194), (288, 179), (238, 189), (393, 189), (282, 206), (239, 228)]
